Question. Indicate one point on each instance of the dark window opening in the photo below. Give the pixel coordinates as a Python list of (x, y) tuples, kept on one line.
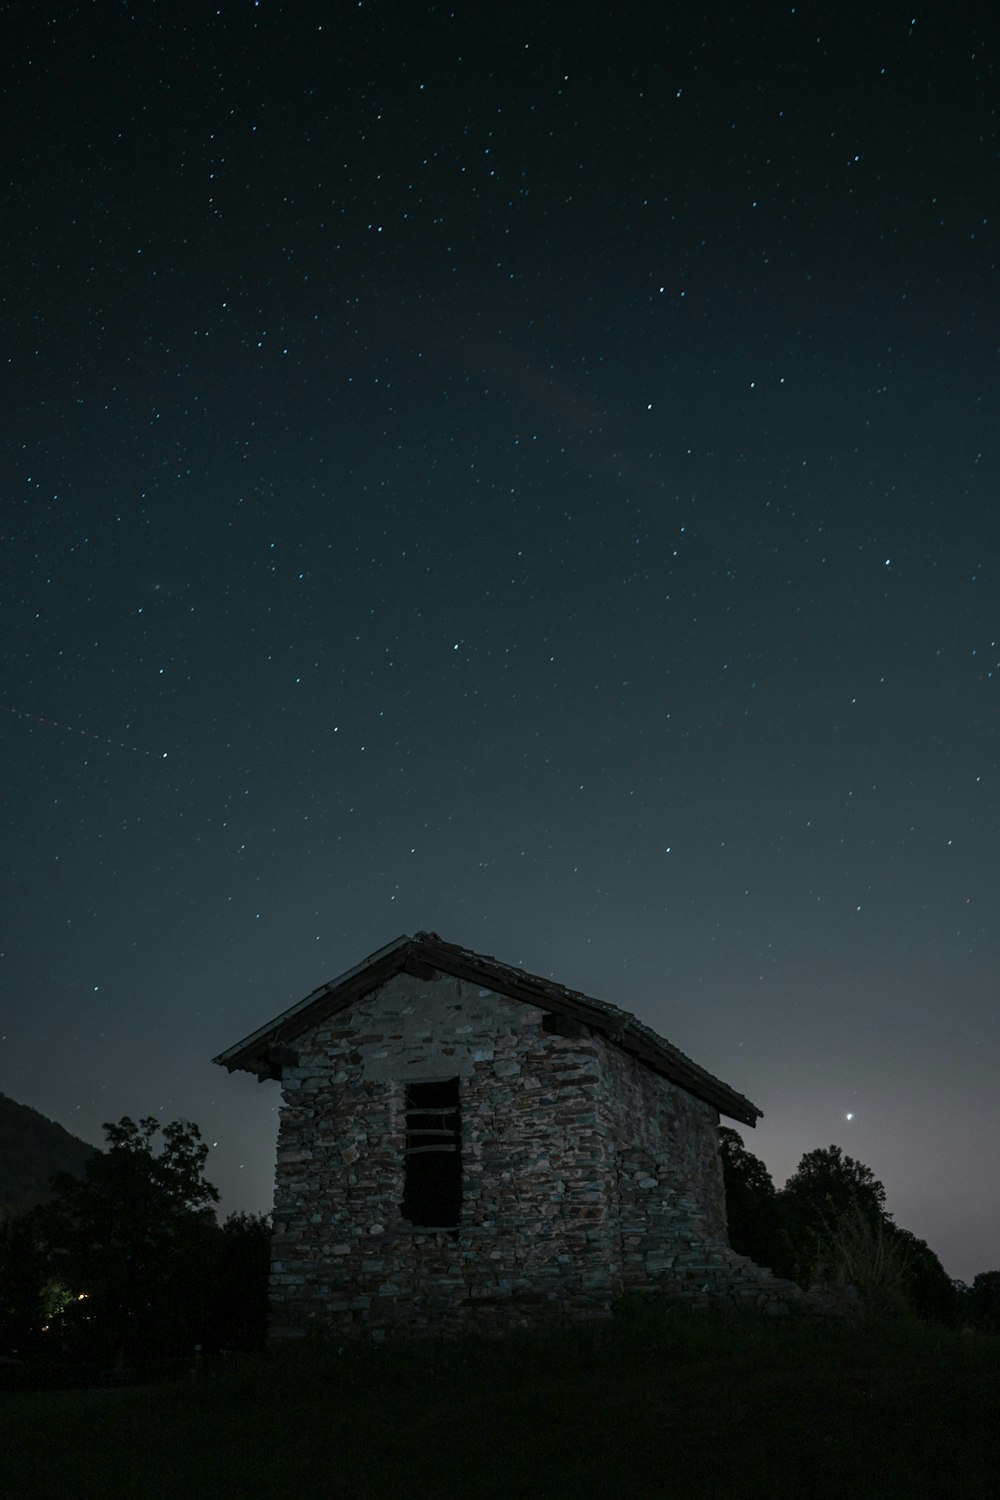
[(432, 1180)]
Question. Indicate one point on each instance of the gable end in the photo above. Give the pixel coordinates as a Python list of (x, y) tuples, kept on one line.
[(424, 957)]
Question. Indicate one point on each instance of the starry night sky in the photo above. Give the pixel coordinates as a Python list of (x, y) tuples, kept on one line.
[(523, 471)]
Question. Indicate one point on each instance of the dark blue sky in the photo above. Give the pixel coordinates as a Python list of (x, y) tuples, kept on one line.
[(525, 477)]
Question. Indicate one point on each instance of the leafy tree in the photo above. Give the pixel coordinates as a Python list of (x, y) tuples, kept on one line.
[(242, 1267), (828, 1197), (928, 1288), (831, 1181), (126, 1236), (982, 1307), (854, 1248), (751, 1203), (838, 1228), (26, 1291)]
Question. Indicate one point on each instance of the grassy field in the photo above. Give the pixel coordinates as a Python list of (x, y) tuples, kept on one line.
[(661, 1402)]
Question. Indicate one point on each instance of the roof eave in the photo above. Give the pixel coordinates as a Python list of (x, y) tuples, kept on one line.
[(251, 1055), (242, 1054)]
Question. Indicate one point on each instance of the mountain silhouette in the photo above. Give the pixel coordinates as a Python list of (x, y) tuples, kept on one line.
[(32, 1150)]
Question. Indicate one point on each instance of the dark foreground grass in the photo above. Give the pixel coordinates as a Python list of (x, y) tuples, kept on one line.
[(661, 1402)]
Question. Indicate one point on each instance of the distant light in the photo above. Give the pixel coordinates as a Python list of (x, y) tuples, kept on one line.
[(849, 1116)]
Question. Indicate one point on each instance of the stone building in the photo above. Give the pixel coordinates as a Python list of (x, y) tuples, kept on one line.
[(464, 1145)]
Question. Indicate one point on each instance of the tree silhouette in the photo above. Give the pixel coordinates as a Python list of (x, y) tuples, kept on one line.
[(829, 1195), (127, 1236), (751, 1204), (982, 1302), (238, 1313), (25, 1285), (837, 1228), (828, 1180), (928, 1288)]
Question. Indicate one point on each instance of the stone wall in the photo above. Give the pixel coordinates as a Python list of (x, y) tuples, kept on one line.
[(665, 1142), (584, 1173), (669, 1214), (534, 1227)]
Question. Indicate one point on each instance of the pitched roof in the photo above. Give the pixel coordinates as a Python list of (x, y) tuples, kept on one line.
[(426, 952)]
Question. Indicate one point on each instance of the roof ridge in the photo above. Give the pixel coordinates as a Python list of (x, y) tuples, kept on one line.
[(619, 1026)]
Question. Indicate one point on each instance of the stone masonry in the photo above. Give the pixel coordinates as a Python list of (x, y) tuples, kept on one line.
[(585, 1172)]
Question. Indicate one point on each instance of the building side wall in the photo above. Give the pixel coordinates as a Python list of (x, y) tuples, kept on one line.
[(536, 1226), (668, 1220), (669, 1200)]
